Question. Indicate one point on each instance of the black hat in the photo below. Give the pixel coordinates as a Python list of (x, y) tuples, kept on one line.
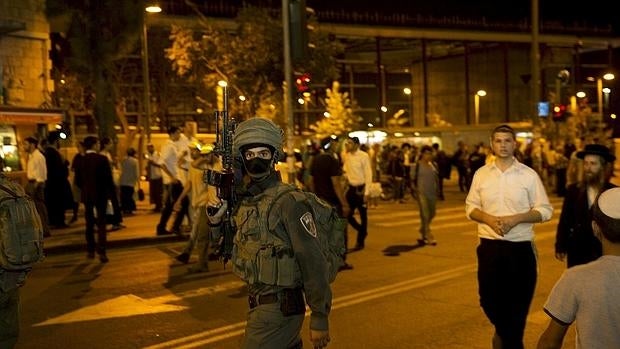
[(597, 149), (325, 142)]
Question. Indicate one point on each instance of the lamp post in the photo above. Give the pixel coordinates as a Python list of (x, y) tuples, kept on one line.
[(480, 93), (145, 70), (407, 91)]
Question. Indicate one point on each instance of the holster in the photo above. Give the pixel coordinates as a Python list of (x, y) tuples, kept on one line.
[(292, 302)]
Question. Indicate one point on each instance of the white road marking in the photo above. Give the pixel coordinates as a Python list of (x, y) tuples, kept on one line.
[(132, 305), (201, 339)]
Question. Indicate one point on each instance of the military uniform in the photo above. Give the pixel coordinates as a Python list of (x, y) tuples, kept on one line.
[(278, 256)]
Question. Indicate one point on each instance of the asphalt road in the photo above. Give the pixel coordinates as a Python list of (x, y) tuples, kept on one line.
[(399, 295)]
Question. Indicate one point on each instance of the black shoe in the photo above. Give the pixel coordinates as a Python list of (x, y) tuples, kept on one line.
[(163, 232), (357, 247), (345, 266), (183, 258), (103, 258), (421, 242)]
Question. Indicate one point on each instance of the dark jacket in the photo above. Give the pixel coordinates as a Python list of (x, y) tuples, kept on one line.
[(574, 234), (95, 180)]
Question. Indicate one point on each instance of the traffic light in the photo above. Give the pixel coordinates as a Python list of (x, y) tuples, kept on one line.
[(559, 112), (302, 82), (298, 20)]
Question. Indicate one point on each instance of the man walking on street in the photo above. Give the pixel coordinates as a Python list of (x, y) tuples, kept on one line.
[(588, 294), (575, 239), (359, 177), (36, 172), (506, 198), (172, 184), (326, 181), (97, 185)]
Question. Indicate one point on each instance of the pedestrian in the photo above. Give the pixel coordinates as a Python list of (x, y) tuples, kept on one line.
[(426, 188), (172, 184), (444, 167), (97, 186), (326, 181), (292, 271), (574, 239), (588, 294), (154, 176), (358, 173), (506, 198), (58, 195), (115, 218), (10, 283), (202, 195), (75, 168), (460, 160), (128, 180), (36, 173)]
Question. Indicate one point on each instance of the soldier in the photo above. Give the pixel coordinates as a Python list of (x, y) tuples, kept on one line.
[(278, 277)]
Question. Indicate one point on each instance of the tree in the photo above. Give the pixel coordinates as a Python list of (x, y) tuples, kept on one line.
[(249, 58), (340, 119), (99, 33)]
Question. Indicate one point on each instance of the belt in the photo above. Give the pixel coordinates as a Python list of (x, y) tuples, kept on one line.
[(32, 181), (255, 301), (357, 186)]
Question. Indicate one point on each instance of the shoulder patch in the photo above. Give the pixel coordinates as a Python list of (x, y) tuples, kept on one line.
[(308, 223)]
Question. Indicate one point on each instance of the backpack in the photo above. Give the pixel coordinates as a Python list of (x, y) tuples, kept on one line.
[(330, 227), (21, 231)]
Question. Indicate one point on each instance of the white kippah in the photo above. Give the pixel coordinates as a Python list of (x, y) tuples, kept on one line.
[(609, 203)]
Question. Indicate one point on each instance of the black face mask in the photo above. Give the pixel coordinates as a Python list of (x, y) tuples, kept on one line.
[(257, 167)]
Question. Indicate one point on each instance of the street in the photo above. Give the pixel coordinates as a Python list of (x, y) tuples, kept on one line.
[(399, 295)]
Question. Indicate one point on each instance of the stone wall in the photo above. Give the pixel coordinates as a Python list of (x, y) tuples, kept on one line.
[(24, 53)]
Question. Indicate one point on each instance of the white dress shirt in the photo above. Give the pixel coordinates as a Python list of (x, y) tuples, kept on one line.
[(36, 168), (169, 158), (357, 169), (516, 190)]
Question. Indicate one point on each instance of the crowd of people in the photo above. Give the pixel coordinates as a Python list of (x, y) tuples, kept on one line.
[(343, 172)]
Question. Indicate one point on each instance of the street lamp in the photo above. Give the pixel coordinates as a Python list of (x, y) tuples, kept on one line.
[(599, 90), (152, 8), (480, 93)]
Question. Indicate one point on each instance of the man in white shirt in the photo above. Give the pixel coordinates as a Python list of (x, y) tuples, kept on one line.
[(36, 172), (358, 172), (154, 176), (172, 183), (588, 294), (506, 198)]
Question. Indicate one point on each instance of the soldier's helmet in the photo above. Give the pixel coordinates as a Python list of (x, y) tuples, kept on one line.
[(258, 131)]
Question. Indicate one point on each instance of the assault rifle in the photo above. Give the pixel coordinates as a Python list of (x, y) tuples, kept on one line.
[(224, 180)]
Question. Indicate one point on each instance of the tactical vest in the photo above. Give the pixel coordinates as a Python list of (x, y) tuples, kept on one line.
[(262, 251)]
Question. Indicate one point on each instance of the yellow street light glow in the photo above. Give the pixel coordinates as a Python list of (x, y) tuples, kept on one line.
[(407, 90), (606, 90), (153, 9), (383, 108), (609, 76), (242, 98), (398, 134), (613, 116), (222, 83), (580, 94), (370, 124), (327, 114), (301, 101), (481, 93), (307, 94)]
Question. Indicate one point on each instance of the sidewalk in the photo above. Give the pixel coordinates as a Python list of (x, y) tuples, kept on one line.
[(139, 230)]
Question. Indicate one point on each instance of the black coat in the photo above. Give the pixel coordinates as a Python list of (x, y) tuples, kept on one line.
[(95, 179), (574, 234)]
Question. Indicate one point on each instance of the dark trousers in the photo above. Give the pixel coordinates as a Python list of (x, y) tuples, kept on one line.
[(116, 217), (171, 193), (9, 317), (506, 282), (355, 198), (128, 204), (95, 220), (156, 189)]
